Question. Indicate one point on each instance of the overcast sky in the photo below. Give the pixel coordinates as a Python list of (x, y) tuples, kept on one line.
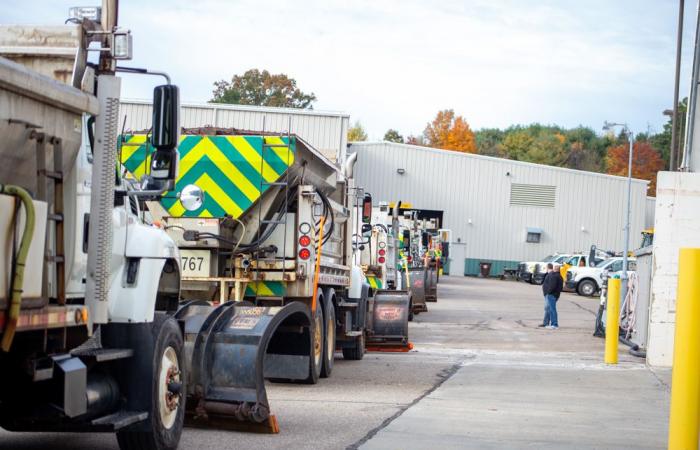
[(395, 63)]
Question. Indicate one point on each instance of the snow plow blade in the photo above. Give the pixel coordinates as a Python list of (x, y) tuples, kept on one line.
[(431, 280), (389, 329), (229, 351), (418, 277)]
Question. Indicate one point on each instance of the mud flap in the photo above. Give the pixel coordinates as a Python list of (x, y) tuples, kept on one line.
[(418, 276), (229, 350), (389, 329)]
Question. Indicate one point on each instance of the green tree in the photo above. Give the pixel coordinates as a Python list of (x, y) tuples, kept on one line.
[(662, 141), (489, 141), (392, 135), (262, 88), (356, 133)]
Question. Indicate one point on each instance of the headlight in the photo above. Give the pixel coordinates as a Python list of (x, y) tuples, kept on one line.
[(531, 268)]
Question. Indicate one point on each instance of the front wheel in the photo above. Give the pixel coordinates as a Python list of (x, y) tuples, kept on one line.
[(166, 414), (586, 288), (357, 351)]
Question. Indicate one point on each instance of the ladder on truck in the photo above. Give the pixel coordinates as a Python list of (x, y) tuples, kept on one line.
[(273, 221), (55, 216)]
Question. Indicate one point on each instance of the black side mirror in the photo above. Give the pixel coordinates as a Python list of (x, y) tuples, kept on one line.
[(166, 117), (166, 132), (366, 228), (367, 209)]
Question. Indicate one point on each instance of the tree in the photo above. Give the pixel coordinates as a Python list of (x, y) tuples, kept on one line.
[(415, 140), (662, 141), (356, 133), (263, 89), (392, 135), (489, 141), (646, 162), (450, 133)]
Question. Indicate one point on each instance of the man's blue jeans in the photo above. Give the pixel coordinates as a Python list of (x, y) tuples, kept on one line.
[(550, 314)]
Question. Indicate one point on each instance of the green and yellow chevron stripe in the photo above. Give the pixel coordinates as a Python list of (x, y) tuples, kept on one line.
[(229, 169), (265, 289), (374, 282)]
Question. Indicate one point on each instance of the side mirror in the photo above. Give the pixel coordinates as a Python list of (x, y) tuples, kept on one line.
[(166, 117), (366, 228), (192, 197), (164, 164)]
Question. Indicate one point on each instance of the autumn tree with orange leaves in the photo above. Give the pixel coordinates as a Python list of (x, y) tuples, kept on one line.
[(450, 133), (646, 162)]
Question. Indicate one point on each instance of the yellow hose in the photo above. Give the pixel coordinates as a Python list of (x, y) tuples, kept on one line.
[(20, 261)]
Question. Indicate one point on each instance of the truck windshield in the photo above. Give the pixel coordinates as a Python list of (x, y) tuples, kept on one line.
[(549, 258)]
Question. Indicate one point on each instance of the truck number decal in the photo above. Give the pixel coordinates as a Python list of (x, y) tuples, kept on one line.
[(193, 263)]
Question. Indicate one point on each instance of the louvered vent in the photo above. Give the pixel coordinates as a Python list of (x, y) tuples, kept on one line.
[(533, 195)]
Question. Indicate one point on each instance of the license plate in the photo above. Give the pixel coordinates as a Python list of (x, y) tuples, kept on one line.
[(195, 263)]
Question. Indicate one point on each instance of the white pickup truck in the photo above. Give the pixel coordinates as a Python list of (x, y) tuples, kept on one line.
[(534, 271), (589, 280)]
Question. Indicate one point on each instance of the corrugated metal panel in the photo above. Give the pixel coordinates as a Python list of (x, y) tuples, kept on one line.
[(532, 195), (473, 191), (325, 131), (472, 267), (649, 212)]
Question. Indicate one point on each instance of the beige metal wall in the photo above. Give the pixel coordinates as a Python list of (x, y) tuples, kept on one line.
[(474, 193), (325, 131)]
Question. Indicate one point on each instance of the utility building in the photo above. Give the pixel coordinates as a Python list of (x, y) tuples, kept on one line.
[(503, 211)]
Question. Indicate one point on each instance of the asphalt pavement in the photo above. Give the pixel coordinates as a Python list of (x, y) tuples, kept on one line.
[(482, 375)]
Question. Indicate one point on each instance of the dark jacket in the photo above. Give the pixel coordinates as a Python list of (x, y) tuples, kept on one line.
[(552, 284)]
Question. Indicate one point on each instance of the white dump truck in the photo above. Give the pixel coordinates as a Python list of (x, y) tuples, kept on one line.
[(86, 286)]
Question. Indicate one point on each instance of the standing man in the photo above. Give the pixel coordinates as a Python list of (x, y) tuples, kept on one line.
[(551, 288)]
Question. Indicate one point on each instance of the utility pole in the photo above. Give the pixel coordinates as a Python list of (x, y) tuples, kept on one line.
[(673, 164)]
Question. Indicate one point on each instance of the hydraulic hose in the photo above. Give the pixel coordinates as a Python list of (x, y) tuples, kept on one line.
[(20, 261)]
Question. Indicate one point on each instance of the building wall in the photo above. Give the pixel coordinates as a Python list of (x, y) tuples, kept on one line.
[(677, 225), (325, 131), (650, 212), (474, 193)]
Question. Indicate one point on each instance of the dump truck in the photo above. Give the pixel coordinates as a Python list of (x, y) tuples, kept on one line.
[(270, 288), (86, 286), (417, 239), (390, 304)]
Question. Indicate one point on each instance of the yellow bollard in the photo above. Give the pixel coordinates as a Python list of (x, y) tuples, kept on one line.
[(612, 321), (685, 382)]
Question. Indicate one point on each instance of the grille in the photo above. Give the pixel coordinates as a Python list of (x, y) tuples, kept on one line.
[(533, 195)]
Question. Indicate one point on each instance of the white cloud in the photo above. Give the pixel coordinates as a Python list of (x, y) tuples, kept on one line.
[(394, 64)]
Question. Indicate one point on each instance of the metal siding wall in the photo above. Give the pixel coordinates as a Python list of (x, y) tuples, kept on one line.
[(325, 132), (471, 187)]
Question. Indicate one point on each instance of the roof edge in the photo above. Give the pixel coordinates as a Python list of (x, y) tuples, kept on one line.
[(493, 158)]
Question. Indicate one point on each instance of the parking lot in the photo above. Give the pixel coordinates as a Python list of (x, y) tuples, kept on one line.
[(482, 375)]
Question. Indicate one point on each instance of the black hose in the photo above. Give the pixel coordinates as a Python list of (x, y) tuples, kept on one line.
[(639, 353)]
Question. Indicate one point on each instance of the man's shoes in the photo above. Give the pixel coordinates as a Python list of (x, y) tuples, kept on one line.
[(542, 325), (552, 327)]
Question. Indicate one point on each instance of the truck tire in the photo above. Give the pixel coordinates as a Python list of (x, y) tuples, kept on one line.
[(586, 288), (317, 343), (357, 351), (163, 427), (329, 339)]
